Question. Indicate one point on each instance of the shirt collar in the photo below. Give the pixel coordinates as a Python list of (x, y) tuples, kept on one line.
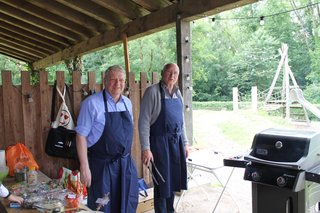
[(164, 86), (109, 97)]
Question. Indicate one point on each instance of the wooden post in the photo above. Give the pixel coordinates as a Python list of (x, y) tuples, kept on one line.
[(283, 52), (126, 54), (287, 88), (254, 98), (235, 98), (183, 35)]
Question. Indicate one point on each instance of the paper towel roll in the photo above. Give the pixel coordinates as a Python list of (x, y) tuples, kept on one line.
[(2, 158)]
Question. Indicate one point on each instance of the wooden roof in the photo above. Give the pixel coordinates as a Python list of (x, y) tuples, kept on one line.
[(42, 32)]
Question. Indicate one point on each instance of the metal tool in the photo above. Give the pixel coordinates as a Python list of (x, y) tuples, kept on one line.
[(153, 177)]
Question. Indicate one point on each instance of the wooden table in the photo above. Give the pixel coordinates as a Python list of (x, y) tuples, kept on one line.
[(4, 203)]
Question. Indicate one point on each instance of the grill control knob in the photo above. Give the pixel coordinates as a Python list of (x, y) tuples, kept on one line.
[(255, 176), (278, 145), (281, 181)]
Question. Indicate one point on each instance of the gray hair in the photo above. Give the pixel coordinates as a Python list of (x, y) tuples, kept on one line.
[(116, 68), (166, 66)]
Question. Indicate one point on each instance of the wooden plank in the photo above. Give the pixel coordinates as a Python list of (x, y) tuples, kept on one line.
[(44, 99), (28, 112), (13, 126), (2, 130), (92, 82), (76, 92), (143, 85), (102, 81), (155, 78), (154, 22), (135, 99)]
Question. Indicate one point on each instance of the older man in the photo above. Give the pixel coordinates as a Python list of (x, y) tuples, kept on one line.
[(163, 138), (104, 139)]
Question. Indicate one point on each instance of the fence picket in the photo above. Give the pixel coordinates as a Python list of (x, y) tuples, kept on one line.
[(29, 122)]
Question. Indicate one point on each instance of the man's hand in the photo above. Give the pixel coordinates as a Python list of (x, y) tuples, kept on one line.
[(85, 176), (15, 198), (146, 157), (186, 148)]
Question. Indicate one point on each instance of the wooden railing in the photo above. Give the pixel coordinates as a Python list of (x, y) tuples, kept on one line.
[(25, 114)]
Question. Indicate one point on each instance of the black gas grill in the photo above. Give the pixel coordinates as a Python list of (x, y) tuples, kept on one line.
[(284, 167)]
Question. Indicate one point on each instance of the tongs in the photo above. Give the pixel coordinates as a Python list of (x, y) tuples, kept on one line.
[(153, 177)]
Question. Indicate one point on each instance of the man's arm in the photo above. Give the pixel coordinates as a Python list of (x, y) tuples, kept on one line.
[(85, 173), (149, 111)]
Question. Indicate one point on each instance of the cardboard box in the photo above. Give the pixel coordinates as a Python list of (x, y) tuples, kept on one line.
[(146, 203)]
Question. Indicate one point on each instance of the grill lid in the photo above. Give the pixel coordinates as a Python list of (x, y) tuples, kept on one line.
[(287, 148)]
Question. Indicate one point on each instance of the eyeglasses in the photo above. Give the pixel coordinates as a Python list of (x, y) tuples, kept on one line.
[(115, 80), (159, 174)]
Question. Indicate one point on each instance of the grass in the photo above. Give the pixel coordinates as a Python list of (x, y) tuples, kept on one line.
[(239, 127), (235, 132), (241, 131)]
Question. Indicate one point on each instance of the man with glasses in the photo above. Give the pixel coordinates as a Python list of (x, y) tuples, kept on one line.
[(163, 138), (104, 139)]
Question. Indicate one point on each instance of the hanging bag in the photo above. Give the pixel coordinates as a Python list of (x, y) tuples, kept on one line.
[(61, 140)]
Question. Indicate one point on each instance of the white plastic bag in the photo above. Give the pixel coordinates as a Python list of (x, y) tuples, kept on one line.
[(64, 117)]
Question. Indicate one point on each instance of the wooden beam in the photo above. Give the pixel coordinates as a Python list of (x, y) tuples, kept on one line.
[(32, 42), (126, 8), (37, 24), (50, 17), (35, 35), (126, 54), (96, 11), (152, 5), (21, 58), (21, 48), (11, 51), (73, 16), (13, 41), (154, 22)]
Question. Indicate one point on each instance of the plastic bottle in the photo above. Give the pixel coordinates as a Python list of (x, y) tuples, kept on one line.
[(32, 176)]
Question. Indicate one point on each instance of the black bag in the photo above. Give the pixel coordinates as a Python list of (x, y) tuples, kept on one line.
[(61, 141)]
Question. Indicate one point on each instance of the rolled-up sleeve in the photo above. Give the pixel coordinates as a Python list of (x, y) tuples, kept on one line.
[(85, 119), (91, 119)]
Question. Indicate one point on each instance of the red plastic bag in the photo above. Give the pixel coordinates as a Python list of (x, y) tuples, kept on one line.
[(18, 156)]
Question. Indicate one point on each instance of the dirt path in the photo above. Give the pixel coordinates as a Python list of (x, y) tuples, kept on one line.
[(207, 133)]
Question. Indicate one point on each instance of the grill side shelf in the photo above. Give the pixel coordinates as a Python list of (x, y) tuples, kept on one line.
[(235, 162), (313, 177)]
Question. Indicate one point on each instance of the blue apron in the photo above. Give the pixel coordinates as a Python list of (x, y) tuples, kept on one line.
[(167, 147), (112, 167)]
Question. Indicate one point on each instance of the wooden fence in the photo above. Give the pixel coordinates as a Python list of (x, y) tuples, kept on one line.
[(28, 121)]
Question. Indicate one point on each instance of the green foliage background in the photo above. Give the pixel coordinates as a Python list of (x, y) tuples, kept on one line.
[(234, 50)]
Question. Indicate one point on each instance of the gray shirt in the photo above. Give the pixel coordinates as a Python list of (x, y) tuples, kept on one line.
[(150, 110)]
